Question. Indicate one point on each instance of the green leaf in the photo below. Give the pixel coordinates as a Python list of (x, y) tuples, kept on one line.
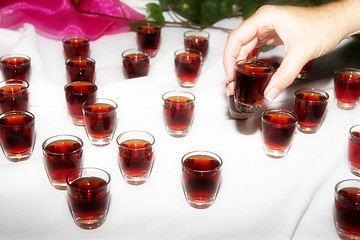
[(155, 12), (249, 7), (213, 11)]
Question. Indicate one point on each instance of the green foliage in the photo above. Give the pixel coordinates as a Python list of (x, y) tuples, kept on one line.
[(155, 13)]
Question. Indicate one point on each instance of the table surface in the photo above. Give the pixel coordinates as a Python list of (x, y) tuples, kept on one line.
[(259, 197)]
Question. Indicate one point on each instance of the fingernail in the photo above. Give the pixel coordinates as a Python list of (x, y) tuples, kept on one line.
[(274, 92)]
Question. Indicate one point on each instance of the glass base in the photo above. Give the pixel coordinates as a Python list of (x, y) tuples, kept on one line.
[(345, 105), (100, 141), (77, 121), (354, 170), (178, 133), (245, 108), (200, 204), (302, 76), (92, 223), (345, 235), (18, 157), (152, 53), (307, 129), (59, 185), (135, 180), (275, 153), (187, 84)]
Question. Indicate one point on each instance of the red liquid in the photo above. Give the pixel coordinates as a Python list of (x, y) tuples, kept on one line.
[(202, 183), (198, 43), (347, 211), (61, 158), (254, 53), (275, 64), (76, 94), (80, 69), (16, 68), (278, 136), (187, 66), (89, 200), (76, 47), (148, 38), (14, 97), (307, 67), (17, 133), (178, 112), (136, 157), (354, 149), (310, 113), (347, 87), (136, 65), (100, 120), (250, 82)]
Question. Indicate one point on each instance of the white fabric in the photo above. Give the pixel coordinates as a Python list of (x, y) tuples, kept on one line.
[(259, 198)]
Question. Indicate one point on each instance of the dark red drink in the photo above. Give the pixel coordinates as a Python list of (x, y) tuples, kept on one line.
[(62, 155), (80, 68), (76, 94), (306, 69), (251, 79), (89, 199), (136, 63), (346, 209), (254, 53), (310, 107), (15, 67), (278, 127), (14, 95), (76, 46), (187, 66), (201, 177), (136, 157), (17, 134), (178, 112), (347, 87), (148, 38), (354, 149), (199, 43), (275, 64)]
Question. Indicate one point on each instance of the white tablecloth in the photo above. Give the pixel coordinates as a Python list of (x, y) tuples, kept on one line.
[(259, 198)]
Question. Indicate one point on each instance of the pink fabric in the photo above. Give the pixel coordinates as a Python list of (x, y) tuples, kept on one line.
[(59, 18)]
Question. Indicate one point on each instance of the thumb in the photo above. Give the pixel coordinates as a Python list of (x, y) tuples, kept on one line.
[(284, 76)]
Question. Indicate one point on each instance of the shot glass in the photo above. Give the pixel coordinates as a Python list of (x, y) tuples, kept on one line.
[(201, 172), (305, 70), (310, 108), (89, 196), (136, 156), (178, 112), (100, 120), (80, 68), (254, 53), (76, 93), (347, 88), (15, 66), (346, 209), (234, 113), (354, 150), (62, 155), (251, 78), (76, 46), (17, 134), (187, 66), (14, 95), (278, 128), (135, 63), (148, 37), (198, 40)]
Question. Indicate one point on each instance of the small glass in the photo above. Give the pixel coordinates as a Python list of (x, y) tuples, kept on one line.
[(347, 88), (16, 66), (100, 120), (148, 37), (187, 66), (310, 108), (354, 150), (76, 93), (62, 155), (234, 113), (136, 156), (14, 95), (198, 40), (255, 53), (89, 196), (76, 46), (278, 128), (346, 209), (80, 68), (17, 134), (135, 63), (304, 72), (251, 78), (178, 112), (201, 172)]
